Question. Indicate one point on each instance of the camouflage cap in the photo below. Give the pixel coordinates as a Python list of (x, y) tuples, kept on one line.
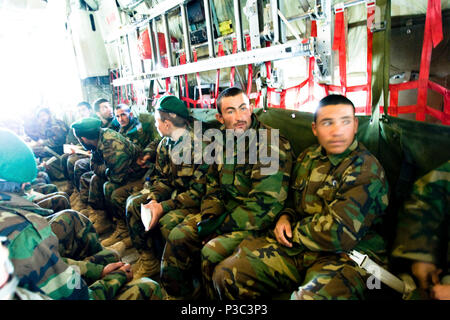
[(86, 126), (172, 104)]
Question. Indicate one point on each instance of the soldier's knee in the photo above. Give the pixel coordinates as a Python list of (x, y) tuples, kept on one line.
[(209, 254), (222, 280), (176, 235)]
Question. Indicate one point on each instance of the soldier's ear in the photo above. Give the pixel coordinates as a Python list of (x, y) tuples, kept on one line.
[(356, 124), (313, 127), (219, 118)]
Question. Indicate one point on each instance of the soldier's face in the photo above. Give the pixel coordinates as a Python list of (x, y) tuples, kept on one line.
[(106, 111), (43, 118), (236, 113), (123, 117), (83, 112), (161, 126), (335, 127), (86, 144)]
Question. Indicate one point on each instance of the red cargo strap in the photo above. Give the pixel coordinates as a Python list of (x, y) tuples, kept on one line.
[(198, 80), (216, 93), (434, 10), (233, 69), (186, 84), (314, 28), (432, 36), (249, 67), (339, 44)]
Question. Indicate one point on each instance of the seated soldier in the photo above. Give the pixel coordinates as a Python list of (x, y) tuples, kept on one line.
[(48, 135), (242, 198), (83, 110), (113, 161), (120, 239), (35, 251), (131, 128), (177, 187), (337, 196), (128, 123), (423, 233), (44, 195), (104, 112)]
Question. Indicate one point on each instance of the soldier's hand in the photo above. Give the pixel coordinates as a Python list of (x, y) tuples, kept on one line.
[(128, 271), (283, 231), (441, 292), (426, 273), (111, 267), (141, 161), (157, 212)]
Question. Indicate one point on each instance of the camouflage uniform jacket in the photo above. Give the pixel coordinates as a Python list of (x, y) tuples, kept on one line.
[(423, 232), (115, 157), (177, 186), (53, 135), (33, 250), (241, 197), (135, 132), (111, 124), (336, 201)]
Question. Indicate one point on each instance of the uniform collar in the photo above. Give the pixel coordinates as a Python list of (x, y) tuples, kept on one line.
[(131, 124)]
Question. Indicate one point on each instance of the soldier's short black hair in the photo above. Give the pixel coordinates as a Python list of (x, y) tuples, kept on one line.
[(123, 106), (176, 120), (228, 92), (43, 109), (85, 104), (333, 99), (98, 102)]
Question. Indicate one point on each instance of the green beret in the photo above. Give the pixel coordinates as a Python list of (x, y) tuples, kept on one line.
[(86, 126), (174, 105), (17, 163)]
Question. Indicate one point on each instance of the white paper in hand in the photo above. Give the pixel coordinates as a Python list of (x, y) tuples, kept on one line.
[(146, 217)]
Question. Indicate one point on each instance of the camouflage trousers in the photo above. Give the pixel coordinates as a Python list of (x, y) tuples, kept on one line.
[(41, 178), (145, 240), (186, 258), (79, 241), (44, 188), (81, 167), (54, 169), (260, 267), (49, 197), (118, 199), (93, 190), (56, 201), (68, 163)]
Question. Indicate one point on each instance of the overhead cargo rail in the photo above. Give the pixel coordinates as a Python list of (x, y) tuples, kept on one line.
[(283, 51)]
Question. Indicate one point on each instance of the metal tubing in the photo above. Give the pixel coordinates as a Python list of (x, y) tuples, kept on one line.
[(167, 39), (142, 61), (238, 24), (283, 51), (209, 30), (186, 34), (129, 54), (275, 21), (158, 51), (151, 37)]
